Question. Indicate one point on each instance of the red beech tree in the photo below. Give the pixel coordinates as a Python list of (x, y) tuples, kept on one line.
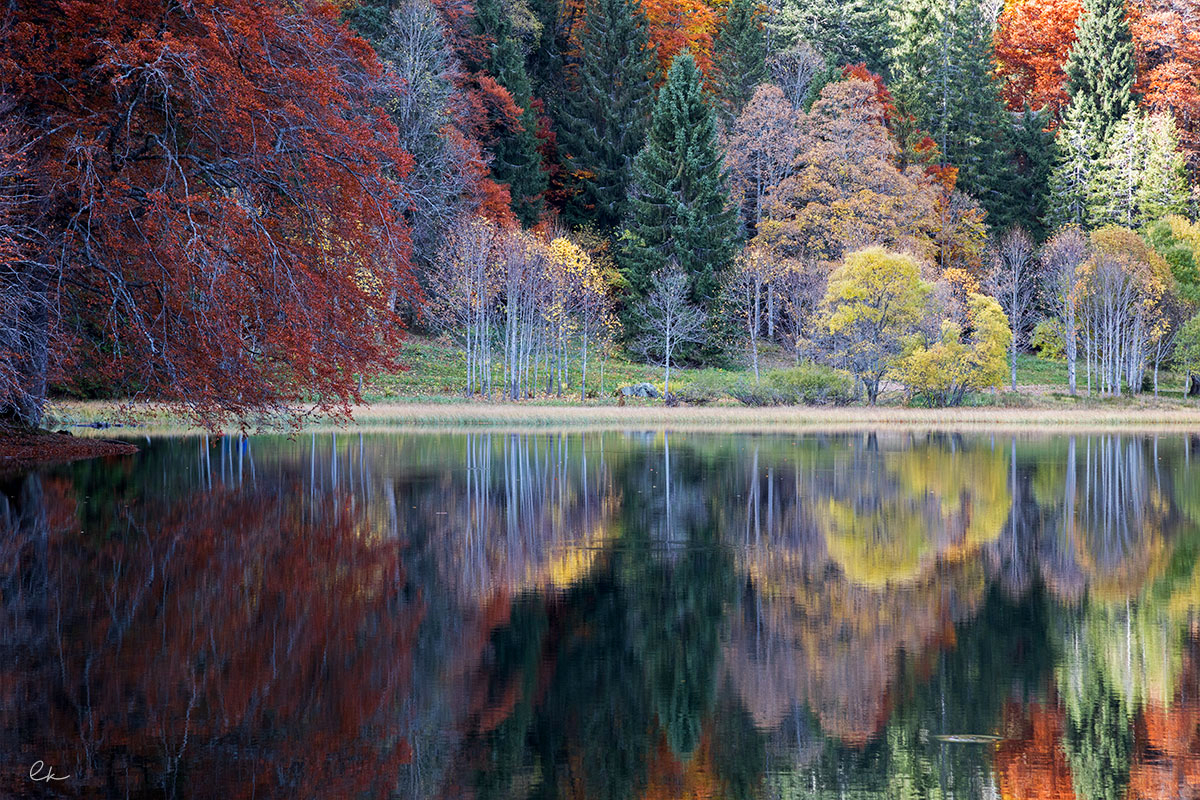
[(1032, 40), (214, 190)]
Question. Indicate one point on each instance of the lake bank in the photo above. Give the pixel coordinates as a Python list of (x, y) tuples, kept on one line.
[(22, 450), (1127, 415)]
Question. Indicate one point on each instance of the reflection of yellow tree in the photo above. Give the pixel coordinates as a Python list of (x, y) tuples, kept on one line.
[(943, 504)]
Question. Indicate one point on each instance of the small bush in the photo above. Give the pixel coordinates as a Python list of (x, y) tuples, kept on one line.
[(809, 384), (1049, 340), (702, 388)]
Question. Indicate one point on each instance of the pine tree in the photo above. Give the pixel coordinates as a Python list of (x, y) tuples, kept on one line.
[(603, 122), (680, 211), (740, 55), (1163, 188), (1101, 68), (1023, 189), (516, 160), (1075, 148)]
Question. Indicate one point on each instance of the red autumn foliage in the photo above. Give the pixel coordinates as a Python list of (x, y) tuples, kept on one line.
[(216, 196), (1032, 40), (1166, 35), (1034, 37), (678, 26)]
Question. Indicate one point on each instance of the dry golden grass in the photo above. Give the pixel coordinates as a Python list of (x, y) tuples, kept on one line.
[(1146, 416)]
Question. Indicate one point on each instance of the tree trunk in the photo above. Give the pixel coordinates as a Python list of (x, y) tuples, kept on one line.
[(30, 340), (1072, 347), (1013, 361)]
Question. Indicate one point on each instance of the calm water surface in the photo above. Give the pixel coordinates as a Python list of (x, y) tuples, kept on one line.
[(621, 615)]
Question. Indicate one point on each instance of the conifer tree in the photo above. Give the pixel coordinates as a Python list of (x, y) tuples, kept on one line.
[(1101, 68), (845, 31), (1023, 188), (516, 160), (603, 122), (740, 55), (942, 74), (1075, 148), (1163, 188), (1113, 190), (680, 211)]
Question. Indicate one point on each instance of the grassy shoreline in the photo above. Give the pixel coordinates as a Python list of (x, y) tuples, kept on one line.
[(1123, 415)]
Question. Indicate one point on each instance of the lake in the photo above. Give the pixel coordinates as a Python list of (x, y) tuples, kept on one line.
[(616, 615)]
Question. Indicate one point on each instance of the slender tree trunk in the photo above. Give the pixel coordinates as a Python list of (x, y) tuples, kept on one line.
[(1071, 347)]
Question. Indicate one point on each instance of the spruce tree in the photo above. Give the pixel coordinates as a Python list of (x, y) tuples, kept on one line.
[(1075, 148), (942, 74), (1163, 188), (603, 121), (1113, 189), (845, 31), (680, 211), (1023, 186), (516, 159), (740, 55), (1101, 68)]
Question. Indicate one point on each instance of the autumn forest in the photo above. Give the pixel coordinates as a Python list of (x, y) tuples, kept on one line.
[(241, 205)]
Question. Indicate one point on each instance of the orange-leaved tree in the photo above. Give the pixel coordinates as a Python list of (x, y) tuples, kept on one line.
[(213, 187)]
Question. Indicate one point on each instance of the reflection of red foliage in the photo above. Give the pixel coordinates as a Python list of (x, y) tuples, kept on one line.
[(1030, 761), (244, 646), (1166, 760)]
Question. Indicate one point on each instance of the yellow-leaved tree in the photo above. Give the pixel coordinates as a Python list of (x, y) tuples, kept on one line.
[(944, 371), (873, 306)]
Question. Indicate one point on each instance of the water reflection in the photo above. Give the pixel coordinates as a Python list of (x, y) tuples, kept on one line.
[(606, 616)]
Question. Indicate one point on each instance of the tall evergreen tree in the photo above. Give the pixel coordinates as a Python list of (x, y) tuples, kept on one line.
[(603, 121), (1163, 188), (1075, 149), (679, 205), (516, 160), (942, 74), (1112, 192), (1102, 67), (1023, 190), (739, 54), (845, 31)]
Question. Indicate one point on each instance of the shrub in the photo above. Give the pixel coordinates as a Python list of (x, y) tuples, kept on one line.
[(701, 388), (1049, 341), (808, 384)]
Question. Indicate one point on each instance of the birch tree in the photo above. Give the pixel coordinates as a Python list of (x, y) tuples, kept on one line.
[(1062, 256), (669, 320), (1014, 283)]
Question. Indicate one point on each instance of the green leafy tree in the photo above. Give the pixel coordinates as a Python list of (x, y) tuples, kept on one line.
[(680, 212), (603, 121), (739, 53), (1187, 351), (516, 160), (1101, 68), (872, 307)]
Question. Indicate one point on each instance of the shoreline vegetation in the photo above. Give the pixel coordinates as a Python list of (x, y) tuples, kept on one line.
[(463, 415)]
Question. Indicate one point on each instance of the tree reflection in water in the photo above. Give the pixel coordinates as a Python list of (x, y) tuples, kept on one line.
[(627, 615)]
